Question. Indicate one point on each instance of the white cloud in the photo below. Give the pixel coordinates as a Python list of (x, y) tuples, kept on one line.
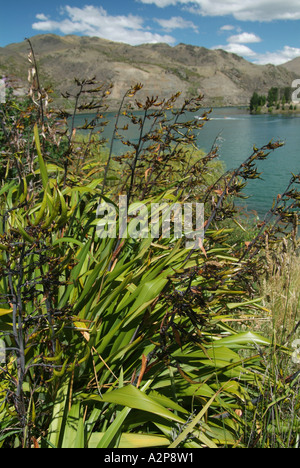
[(279, 57), (176, 22), (244, 38), (276, 58), (94, 21), (236, 44), (246, 10), (227, 27), (239, 49), (162, 3), (41, 17)]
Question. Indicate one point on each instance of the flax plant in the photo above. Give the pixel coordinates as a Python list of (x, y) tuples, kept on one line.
[(127, 342)]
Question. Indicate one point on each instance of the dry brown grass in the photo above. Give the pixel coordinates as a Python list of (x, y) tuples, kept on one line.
[(280, 288)]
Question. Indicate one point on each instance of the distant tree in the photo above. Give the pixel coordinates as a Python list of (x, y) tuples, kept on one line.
[(254, 101), (273, 95), (262, 100), (257, 101), (288, 93)]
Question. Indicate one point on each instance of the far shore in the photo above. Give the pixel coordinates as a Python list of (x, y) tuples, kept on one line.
[(281, 111)]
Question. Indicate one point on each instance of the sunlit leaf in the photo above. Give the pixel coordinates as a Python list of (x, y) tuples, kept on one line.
[(132, 441), (242, 339), (5, 312), (132, 397), (43, 168)]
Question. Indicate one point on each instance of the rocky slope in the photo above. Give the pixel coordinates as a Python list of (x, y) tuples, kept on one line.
[(223, 78), (293, 66)]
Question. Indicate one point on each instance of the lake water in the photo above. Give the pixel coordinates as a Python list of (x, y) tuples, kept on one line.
[(238, 131)]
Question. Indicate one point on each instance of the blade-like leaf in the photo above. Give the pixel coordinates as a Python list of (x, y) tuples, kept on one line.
[(132, 441), (236, 305), (57, 426), (242, 339), (5, 312), (73, 432), (43, 168), (191, 426), (114, 429), (132, 397)]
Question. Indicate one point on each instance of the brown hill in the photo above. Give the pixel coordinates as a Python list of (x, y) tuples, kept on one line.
[(223, 78), (293, 66)]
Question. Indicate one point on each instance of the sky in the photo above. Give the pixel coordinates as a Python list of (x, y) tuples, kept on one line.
[(261, 31)]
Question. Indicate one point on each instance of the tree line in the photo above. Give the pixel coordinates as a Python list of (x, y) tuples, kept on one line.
[(275, 97)]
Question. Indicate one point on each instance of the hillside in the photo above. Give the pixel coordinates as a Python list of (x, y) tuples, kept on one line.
[(223, 78), (293, 66)]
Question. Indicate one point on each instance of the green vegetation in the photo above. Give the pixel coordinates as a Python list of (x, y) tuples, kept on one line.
[(280, 98), (135, 342), (256, 102)]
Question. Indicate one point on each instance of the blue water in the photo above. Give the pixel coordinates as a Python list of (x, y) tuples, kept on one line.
[(237, 132)]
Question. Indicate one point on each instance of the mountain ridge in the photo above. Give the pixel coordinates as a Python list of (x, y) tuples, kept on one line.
[(225, 79), (293, 66)]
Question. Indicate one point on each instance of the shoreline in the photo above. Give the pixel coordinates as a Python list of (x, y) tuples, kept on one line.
[(273, 111)]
